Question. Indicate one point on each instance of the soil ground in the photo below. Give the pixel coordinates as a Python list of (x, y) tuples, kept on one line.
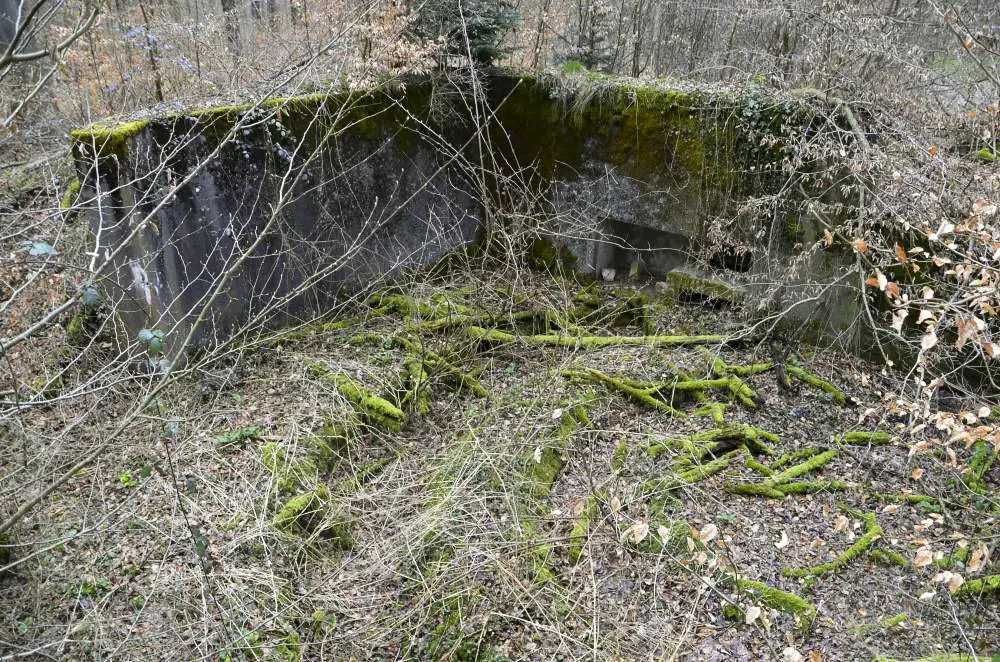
[(277, 506)]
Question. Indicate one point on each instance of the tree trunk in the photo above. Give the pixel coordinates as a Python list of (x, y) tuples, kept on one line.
[(232, 18)]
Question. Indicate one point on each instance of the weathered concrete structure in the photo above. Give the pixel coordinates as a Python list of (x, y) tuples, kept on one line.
[(269, 211)]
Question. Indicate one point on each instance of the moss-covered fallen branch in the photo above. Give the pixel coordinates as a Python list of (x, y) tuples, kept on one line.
[(872, 533), (884, 624), (319, 328), (585, 342), (720, 368), (783, 601), (698, 445), (785, 489), (703, 471), (547, 461), (813, 486), (832, 391), (435, 364), (738, 389), (304, 512), (888, 558), (418, 392), (908, 498), (989, 585), (795, 456), (866, 438), (753, 489), (939, 657), (759, 467), (639, 395), (374, 409), (581, 529), (812, 464), (717, 410)]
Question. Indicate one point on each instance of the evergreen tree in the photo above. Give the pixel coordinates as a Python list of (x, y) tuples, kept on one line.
[(485, 22)]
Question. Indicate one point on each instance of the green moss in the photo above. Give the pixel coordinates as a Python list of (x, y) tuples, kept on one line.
[(305, 512), (674, 543), (581, 529), (908, 498), (545, 471), (752, 369), (432, 362), (884, 624), (288, 475), (810, 465), (871, 534), (450, 639), (402, 305), (732, 613), (759, 467), (319, 328), (983, 457), (374, 409), (703, 471), (989, 585), (987, 154), (547, 462), (813, 487), (887, 557), (72, 194), (753, 489), (554, 340), (108, 140), (789, 603), (939, 657), (620, 457), (82, 327), (716, 410), (639, 395), (795, 456), (543, 255), (697, 446), (866, 438), (835, 394), (416, 381), (684, 284)]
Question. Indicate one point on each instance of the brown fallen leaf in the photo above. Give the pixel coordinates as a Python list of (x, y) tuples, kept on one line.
[(708, 533), (639, 530), (791, 655), (923, 558), (916, 473), (979, 556)]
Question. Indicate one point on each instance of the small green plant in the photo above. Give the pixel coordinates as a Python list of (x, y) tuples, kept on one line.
[(238, 436), (127, 480), (91, 586), (155, 340)]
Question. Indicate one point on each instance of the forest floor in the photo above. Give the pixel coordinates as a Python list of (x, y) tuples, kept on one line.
[(461, 472)]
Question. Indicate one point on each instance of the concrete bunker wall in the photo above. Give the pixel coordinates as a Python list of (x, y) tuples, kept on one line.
[(275, 210)]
